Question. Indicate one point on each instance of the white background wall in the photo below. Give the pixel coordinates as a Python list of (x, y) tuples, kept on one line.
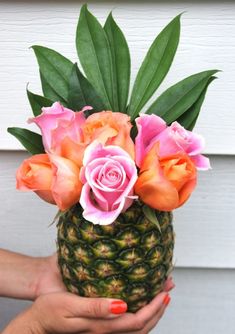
[(204, 299)]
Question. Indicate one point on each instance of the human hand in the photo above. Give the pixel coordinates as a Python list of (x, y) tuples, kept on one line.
[(67, 313)]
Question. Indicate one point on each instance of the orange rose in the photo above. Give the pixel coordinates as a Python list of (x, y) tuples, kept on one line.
[(36, 174), (66, 185), (165, 183), (53, 178), (109, 128)]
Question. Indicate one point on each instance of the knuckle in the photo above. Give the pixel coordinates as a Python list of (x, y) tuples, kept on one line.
[(96, 308)]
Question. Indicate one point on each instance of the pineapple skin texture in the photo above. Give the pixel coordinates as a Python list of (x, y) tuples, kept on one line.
[(129, 259)]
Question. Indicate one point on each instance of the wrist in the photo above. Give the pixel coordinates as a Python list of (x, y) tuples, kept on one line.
[(42, 266)]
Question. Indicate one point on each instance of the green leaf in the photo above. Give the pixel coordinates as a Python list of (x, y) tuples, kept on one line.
[(49, 92), (121, 62), (82, 93), (95, 56), (180, 97), (189, 117), (30, 140), (155, 66), (55, 69), (37, 102), (151, 216)]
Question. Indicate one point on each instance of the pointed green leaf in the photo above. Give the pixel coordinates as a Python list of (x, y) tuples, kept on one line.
[(30, 140), (151, 216), (82, 93), (55, 69), (192, 125), (121, 62), (189, 117), (49, 92), (95, 56), (180, 97), (155, 66), (37, 102)]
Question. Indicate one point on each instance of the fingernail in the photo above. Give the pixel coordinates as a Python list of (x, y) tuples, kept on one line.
[(118, 307), (166, 300)]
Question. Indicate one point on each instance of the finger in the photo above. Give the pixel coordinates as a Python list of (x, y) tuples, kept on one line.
[(147, 312), (94, 307), (168, 285), (154, 321), (132, 321)]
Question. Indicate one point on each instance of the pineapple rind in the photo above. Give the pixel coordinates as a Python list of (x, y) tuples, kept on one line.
[(129, 259)]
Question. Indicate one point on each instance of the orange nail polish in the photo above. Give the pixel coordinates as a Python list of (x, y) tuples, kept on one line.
[(118, 307), (166, 300)]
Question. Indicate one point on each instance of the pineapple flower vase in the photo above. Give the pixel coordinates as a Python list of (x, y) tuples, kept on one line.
[(114, 172), (129, 259)]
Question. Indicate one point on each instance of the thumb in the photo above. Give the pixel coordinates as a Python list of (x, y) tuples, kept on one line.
[(98, 307)]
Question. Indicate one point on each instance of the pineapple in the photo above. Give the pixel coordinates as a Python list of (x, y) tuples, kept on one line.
[(129, 259)]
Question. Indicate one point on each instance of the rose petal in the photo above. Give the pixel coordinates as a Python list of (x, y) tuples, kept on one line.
[(92, 212), (167, 143), (197, 144), (90, 175), (66, 185), (48, 120), (157, 191), (110, 128), (96, 150), (186, 191), (72, 151), (86, 108), (149, 126), (56, 123), (201, 162)]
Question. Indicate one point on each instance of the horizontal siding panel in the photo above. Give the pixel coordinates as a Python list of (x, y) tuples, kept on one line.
[(208, 41), (205, 229), (202, 302)]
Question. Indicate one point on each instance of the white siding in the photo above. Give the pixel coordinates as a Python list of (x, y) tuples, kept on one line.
[(204, 299)]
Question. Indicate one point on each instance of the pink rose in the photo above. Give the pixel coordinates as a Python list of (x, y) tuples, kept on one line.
[(56, 123), (172, 139), (108, 175)]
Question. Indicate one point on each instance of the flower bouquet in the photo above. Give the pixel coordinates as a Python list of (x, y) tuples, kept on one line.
[(115, 172)]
